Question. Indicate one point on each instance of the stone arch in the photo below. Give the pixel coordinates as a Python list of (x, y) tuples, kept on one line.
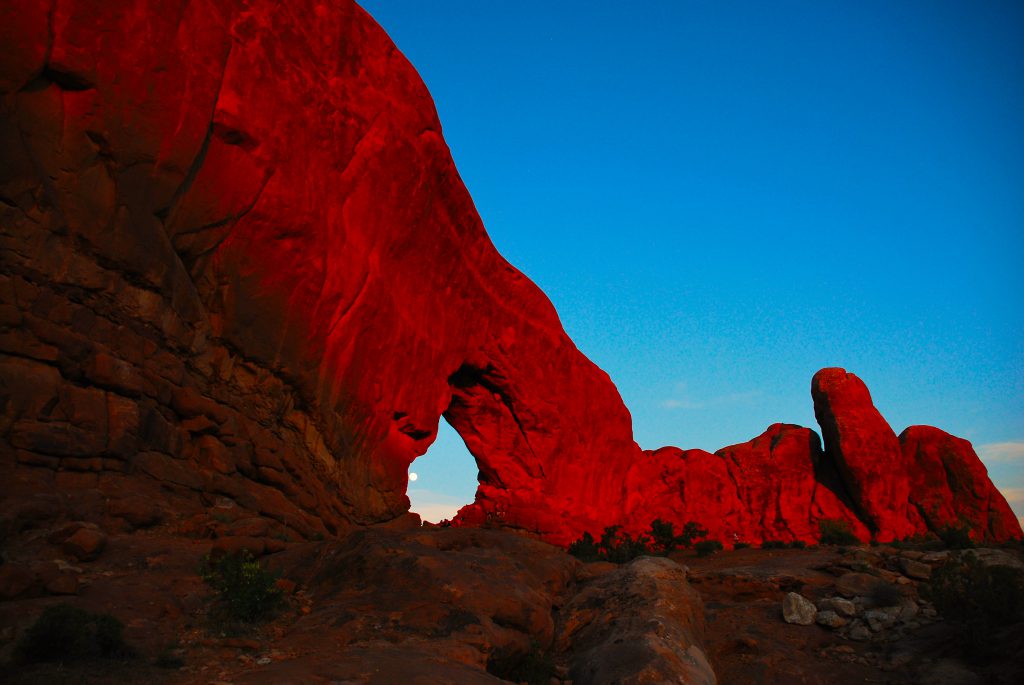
[(484, 411)]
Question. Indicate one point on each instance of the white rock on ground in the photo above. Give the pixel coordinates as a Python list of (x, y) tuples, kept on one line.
[(798, 609)]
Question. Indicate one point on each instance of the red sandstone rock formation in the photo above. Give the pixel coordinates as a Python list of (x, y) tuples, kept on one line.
[(238, 260), (240, 269), (774, 487), (950, 487), (865, 450)]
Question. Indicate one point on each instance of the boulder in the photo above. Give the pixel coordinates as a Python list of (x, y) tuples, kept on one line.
[(918, 570), (838, 605), (641, 623), (878, 619), (858, 631), (138, 511), (830, 619), (85, 544), (856, 584), (798, 609), (949, 486), (865, 450)]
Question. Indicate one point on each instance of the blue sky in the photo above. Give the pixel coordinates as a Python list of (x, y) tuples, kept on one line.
[(722, 198)]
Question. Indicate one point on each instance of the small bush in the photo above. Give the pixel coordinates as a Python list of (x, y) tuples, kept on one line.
[(614, 546), (585, 549), (773, 544), (663, 536), (920, 541), (741, 545), (620, 548), (798, 544), (245, 590), (66, 633), (836, 532), (956, 537), (692, 532), (707, 547), (977, 599)]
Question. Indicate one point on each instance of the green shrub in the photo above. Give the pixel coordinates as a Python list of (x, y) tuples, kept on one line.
[(798, 544), (956, 537), (619, 547), (692, 532), (585, 549), (663, 536), (921, 541), (614, 546), (773, 544), (707, 547), (741, 545), (977, 600), (836, 532), (66, 633), (246, 591)]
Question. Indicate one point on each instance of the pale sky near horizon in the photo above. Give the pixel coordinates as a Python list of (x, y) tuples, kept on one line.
[(720, 198)]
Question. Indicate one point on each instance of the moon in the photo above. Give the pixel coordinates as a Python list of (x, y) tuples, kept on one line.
[(413, 476)]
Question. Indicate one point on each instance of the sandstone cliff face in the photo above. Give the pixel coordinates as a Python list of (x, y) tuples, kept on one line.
[(239, 266), (239, 260)]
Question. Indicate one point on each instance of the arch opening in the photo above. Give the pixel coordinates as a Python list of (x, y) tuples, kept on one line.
[(443, 479)]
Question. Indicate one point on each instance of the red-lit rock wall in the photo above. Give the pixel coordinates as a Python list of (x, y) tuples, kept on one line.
[(865, 450), (240, 269), (950, 486), (238, 260)]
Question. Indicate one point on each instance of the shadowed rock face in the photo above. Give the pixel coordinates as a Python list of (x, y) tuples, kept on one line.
[(239, 264)]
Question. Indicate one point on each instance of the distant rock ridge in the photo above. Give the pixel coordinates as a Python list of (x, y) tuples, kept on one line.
[(781, 484), (240, 269)]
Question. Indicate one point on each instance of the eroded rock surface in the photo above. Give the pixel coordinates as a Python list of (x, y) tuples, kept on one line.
[(636, 624), (949, 485), (240, 268), (379, 607), (238, 260), (865, 450)]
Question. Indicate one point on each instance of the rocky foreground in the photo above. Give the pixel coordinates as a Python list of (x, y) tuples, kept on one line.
[(450, 605)]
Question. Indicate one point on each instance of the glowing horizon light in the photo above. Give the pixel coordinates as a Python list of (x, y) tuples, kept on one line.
[(412, 476)]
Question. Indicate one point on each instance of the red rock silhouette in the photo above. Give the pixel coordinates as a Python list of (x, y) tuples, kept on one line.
[(239, 266), (950, 487)]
